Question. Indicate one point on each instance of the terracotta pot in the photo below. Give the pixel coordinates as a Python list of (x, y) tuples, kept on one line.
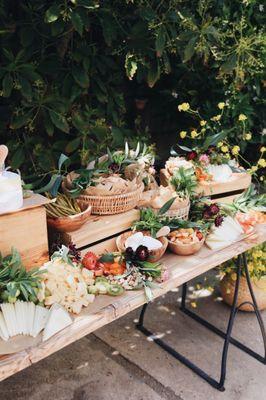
[(227, 288), (154, 256), (72, 222), (185, 249)]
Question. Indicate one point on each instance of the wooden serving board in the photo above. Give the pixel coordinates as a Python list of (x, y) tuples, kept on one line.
[(230, 189), (238, 181), (98, 228), (106, 309)]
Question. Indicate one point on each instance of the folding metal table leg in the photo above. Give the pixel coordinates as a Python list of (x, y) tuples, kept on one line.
[(218, 384)]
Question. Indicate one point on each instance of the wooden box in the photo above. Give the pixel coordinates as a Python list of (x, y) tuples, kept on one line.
[(26, 230), (224, 192), (98, 233)]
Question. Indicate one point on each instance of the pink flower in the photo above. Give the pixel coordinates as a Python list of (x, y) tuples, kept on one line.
[(165, 275), (204, 159)]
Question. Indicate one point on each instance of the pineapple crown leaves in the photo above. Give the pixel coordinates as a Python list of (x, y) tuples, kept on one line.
[(184, 181)]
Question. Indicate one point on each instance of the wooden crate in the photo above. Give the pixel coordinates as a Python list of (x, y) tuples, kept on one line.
[(26, 230), (98, 232), (223, 192)]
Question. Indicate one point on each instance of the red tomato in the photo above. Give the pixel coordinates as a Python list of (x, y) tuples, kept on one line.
[(89, 261)]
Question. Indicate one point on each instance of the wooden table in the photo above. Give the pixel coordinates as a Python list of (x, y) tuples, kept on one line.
[(106, 309)]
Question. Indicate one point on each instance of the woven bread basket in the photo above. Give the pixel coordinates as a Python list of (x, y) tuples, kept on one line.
[(181, 212), (113, 204), (177, 210)]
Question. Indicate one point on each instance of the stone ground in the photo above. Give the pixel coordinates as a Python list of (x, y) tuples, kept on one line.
[(119, 363)]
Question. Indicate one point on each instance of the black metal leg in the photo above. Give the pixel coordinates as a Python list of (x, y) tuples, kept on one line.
[(218, 384)]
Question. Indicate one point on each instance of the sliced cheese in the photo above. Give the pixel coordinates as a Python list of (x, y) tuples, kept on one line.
[(3, 328), (18, 309), (30, 321), (10, 318), (58, 319), (24, 311), (40, 319)]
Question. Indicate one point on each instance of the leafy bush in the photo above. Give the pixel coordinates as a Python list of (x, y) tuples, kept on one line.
[(78, 74)]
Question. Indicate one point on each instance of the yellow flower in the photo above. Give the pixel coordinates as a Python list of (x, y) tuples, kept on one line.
[(203, 123), (219, 144), (233, 276), (224, 149), (193, 304), (261, 178), (183, 134), (184, 107), (254, 168), (194, 134), (235, 150), (203, 130), (221, 105), (216, 117), (263, 149), (242, 117), (262, 163), (248, 136)]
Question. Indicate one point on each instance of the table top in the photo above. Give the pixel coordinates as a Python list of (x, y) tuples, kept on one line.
[(106, 309)]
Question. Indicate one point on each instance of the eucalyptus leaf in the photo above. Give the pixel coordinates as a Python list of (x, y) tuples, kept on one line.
[(166, 206)]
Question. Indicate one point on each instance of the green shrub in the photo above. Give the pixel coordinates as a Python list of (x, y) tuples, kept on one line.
[(72, 71)]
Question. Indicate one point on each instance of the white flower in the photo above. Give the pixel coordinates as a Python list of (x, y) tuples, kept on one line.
[(261, 7)]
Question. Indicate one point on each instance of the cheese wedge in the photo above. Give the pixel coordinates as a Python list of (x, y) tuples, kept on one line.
[(151, 243), (224, 235), (3, 328), (58, 319), (40, 319)]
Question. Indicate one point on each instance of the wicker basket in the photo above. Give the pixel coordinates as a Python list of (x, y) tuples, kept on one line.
[(114, 204), (227, 288)]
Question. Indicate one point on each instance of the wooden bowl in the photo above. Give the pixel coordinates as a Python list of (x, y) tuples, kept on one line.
[(72, 222), (154, 256), (185, 249)]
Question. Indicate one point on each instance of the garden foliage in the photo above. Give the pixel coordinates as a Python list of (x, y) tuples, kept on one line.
[(78, 74)]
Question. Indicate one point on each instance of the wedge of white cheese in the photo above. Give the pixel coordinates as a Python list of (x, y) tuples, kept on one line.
[(40, 319), (134, 240), (224, 235), (58, 319), (3, 328)]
